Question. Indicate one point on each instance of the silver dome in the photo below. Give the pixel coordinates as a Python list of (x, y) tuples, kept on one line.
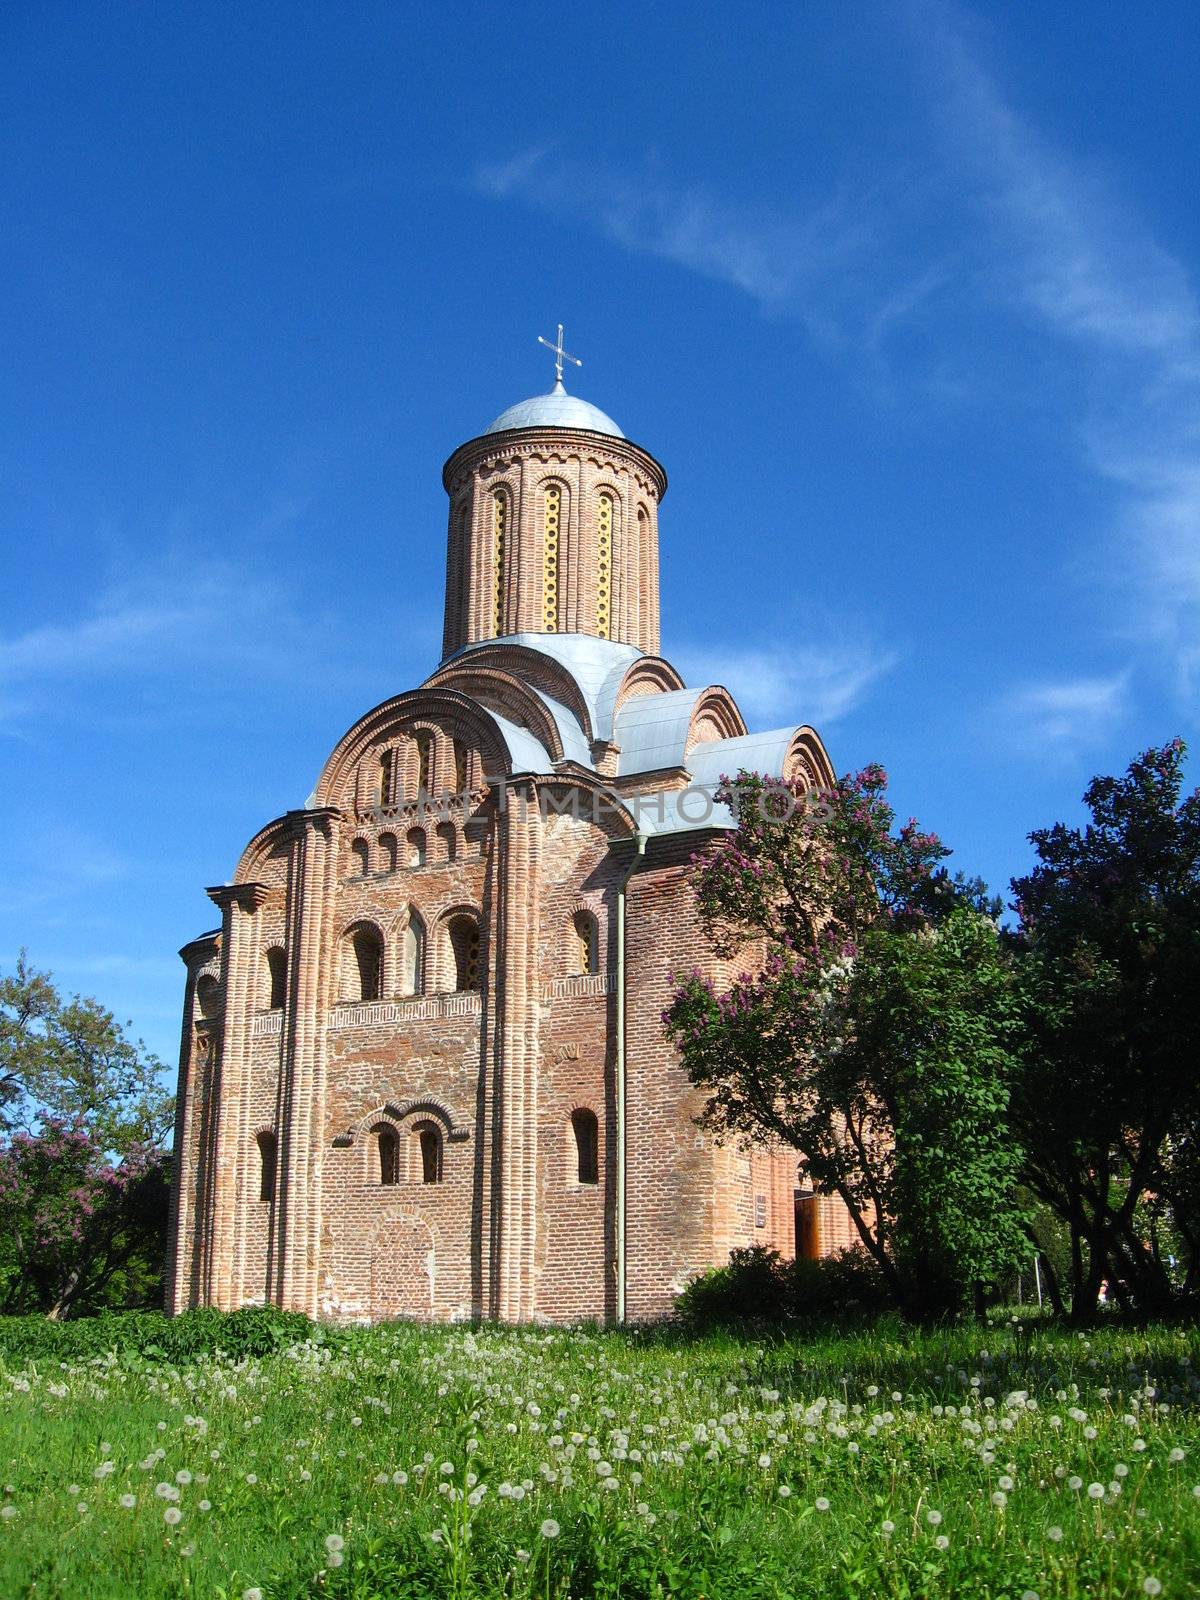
[(558, 409)]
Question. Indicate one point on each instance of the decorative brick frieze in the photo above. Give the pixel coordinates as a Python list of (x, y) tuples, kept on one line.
[(378, 1013), (578, 984)]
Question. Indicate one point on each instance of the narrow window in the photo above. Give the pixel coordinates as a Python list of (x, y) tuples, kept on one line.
[(645, 569), (266, 1167), (208, 996), (424, 765), (587, 1146), (361, 852), (587, 943), (276, 978), (412, 957), (551, 511), (387, 1146), (387, 793), (414, 847), (387, 852), (604, 530), (448, 838), (460, 769), (499, 540), (430, 1139), (367, 965), (464, 950)]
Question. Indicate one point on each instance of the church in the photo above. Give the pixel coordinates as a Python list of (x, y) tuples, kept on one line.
[(423, 1070)]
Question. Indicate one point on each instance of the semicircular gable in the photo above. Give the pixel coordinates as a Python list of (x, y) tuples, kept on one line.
[(460, 716), (503, 692), (715, 715), (649, 675), (515, 663), (808, 758), (265, 858)]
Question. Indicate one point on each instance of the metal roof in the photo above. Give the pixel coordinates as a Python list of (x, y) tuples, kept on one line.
[(652, 730), (750, 752), (596, 665), (558, 409)]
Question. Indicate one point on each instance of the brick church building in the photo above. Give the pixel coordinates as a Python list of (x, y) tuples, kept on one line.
[(423, 1070)]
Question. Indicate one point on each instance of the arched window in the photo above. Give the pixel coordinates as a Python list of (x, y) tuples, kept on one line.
[(387, 852), (208, 995), (387, 778), (266, 1166), (414, 847), (412, 956), (429, 1143), (387, 1152), (360, 852), (604, 544), (460, 768), (587, 942), (365, 962), (499, 541), (424, 765), (587, 1146), (448, 839), (463, 933), (276, 977), (551, 512)]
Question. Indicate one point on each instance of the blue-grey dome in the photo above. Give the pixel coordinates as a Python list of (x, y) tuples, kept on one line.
[(558, 409)]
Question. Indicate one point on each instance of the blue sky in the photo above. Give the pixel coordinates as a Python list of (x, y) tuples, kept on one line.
[(905, 297)]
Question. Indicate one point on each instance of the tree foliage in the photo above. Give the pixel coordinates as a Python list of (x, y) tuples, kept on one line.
[(78, 1230), (874, 1031), (84, 1179), (1108, 1098), (71, 1060)]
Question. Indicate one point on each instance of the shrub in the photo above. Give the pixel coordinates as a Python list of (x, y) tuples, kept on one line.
[(759, 1287), (253, 1331)]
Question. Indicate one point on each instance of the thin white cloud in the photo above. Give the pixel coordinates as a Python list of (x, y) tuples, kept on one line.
[(1081, 263), (1071, 713), (190, 617), (1009, 224), (833, 264), (803, 684)]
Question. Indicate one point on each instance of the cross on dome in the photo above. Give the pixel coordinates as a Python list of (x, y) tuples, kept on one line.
[(560, 355)]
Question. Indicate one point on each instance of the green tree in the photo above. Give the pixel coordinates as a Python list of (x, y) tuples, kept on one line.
[(874, 1032), (70, 1059), (1108, 1098), (84, 1177), (79, 1231)]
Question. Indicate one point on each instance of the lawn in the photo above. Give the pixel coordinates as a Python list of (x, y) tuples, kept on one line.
[(403, 1461)]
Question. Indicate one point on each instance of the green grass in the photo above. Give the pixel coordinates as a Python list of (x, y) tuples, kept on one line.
[(547, 1463)]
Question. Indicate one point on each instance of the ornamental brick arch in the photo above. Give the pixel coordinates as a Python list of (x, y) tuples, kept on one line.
[(266, 857), (650, 675), (505, 693), (517, 665), (406, 714), (715, 716), (807, 758)]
